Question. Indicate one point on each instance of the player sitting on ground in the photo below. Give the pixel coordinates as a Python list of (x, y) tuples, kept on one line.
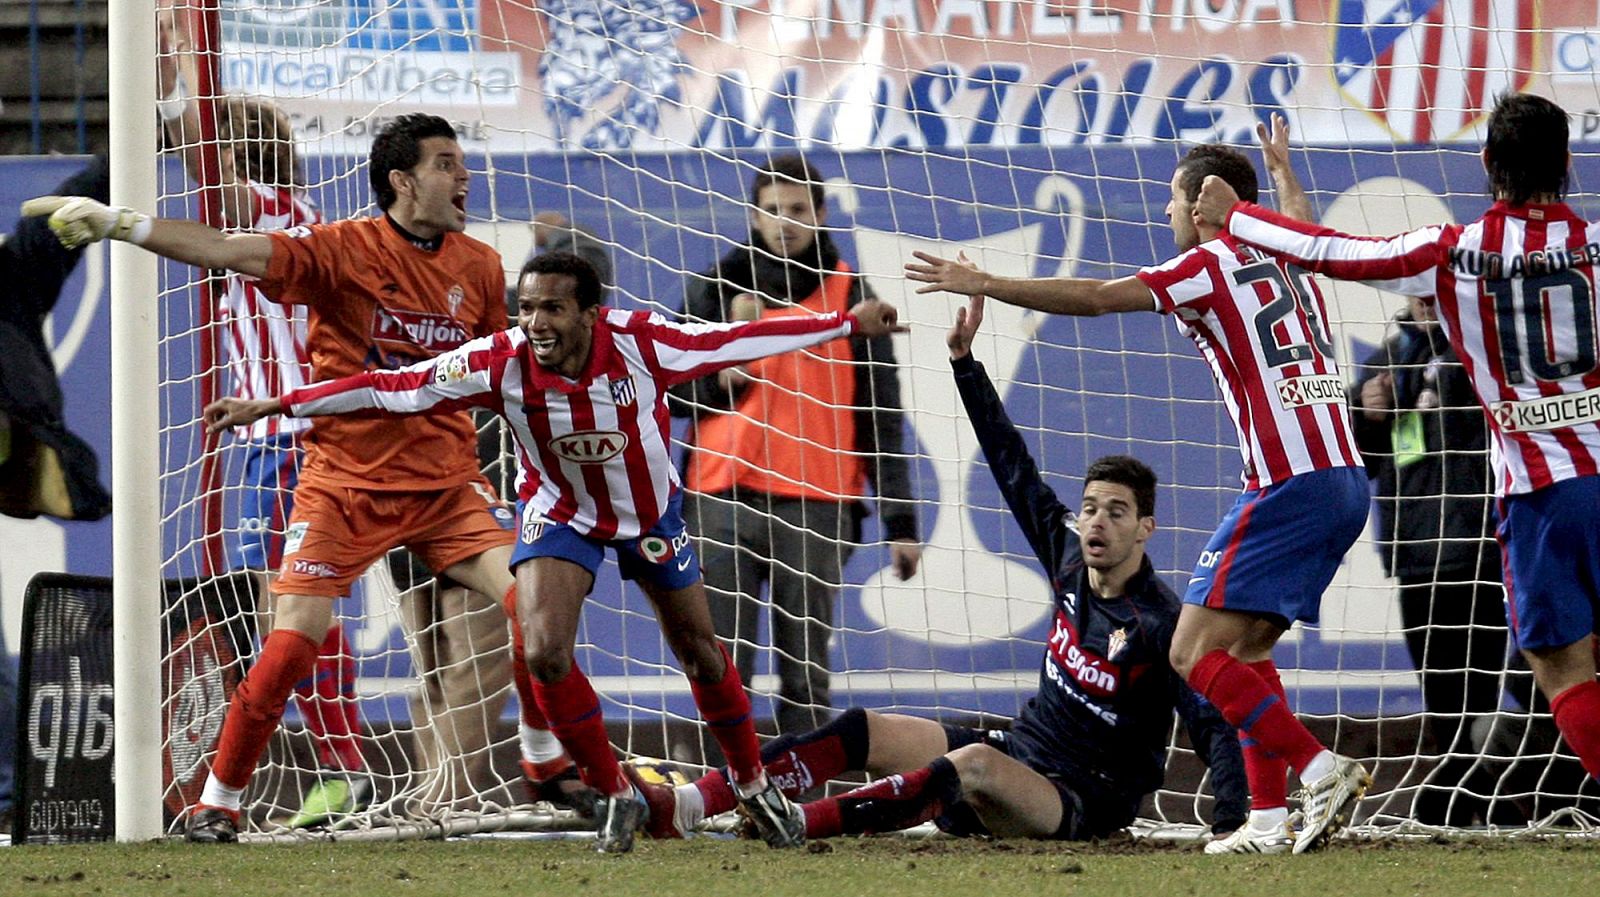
[(584, 390), (1259, 325), (382, 291), (1087, 748), (1515, 294)]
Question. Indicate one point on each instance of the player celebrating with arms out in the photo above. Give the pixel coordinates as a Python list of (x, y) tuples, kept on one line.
[(382, 291), (584, 390), (1259, 325), (1515, 294), (1087, 748)]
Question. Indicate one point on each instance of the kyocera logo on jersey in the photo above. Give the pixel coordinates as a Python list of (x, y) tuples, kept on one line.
[(590, 446), (1085, 666), (1313, 389), (439, 333)]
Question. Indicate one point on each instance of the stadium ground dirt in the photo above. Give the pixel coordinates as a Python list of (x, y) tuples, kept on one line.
[(839, 868)]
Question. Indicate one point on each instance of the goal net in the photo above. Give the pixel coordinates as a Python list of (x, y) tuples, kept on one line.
[(1037, 137)]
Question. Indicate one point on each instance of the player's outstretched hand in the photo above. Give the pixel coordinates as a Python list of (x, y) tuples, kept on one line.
[(235, 412), (968, 320), (77, 220), (1275, 146), (877, 318), (958, 275), (1216, 200)]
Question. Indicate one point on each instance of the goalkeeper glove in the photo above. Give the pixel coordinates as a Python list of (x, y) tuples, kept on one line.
[(77, 220)]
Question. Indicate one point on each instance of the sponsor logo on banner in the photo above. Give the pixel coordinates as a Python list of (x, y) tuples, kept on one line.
[(623, 392), (1548, 413), (201, 676), (434, 332), (590, 446), (409, 52), (1401, 60), (1311, 389)]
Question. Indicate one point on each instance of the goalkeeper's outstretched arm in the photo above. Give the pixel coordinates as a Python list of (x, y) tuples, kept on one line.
[(79, 220)]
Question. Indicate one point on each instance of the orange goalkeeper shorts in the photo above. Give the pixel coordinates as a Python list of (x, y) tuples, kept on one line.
[(337, 532)]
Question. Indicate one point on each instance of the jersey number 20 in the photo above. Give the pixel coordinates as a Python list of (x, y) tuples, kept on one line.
[(1290, 296)]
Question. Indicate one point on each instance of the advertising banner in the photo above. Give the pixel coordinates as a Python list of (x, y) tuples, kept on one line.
[(520, 75)]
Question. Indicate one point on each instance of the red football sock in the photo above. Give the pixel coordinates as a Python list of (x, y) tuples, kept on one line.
[(1250, 705), (894, 803), (799, 763), (328, 703), (1267, 772), (716, 793), (1577, 713), (822, 818), (726, 709), (527, 702), (286, 657), (573, 710)]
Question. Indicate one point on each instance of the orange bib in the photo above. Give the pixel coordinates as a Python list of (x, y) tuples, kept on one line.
[(792, 432)]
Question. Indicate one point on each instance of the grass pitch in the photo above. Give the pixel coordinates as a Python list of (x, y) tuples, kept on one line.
[(879, 867)]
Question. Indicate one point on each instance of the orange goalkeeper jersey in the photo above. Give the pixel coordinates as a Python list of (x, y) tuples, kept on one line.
[(378, 300)]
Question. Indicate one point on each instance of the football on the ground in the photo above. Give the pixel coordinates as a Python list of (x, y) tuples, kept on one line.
[(654, 771)]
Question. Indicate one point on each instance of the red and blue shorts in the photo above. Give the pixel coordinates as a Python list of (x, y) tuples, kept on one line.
[(1550, 555), (663, 556), (1277, 549), (266, 498)]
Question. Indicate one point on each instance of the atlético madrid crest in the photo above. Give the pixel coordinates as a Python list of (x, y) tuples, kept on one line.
[(623, 392), (1428, 70)]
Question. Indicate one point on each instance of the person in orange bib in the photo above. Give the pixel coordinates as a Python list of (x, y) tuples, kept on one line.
[(786, 449)]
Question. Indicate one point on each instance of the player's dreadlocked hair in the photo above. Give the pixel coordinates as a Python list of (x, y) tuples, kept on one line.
[(1223, 161), (398, 147), (1527, 148), (789, 169), (1126, 471), (261, 140), (575, 267)]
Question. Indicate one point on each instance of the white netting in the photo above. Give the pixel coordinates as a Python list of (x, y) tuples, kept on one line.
[(1039, 137)]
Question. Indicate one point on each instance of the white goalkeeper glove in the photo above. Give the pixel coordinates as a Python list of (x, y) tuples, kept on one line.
[(77, 220)]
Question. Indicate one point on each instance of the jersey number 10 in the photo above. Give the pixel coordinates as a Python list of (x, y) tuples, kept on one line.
[(1535, 299)]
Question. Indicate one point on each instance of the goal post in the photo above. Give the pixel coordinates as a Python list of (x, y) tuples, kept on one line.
[(1037, 136), (136, 474)]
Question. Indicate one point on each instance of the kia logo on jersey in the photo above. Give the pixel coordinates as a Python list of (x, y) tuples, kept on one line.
[(436, 333), (590, 446)]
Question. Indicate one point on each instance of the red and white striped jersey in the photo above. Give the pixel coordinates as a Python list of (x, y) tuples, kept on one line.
[(1515, 293), (593, 451), (266, 341), (1260, 325)]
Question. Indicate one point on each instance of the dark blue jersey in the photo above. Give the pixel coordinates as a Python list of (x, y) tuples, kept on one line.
[(1107, 691)]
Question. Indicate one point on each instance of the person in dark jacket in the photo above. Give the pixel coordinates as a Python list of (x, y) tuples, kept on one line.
[(44, 468), (1425, 443), (784, 449), (1087, 748)]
